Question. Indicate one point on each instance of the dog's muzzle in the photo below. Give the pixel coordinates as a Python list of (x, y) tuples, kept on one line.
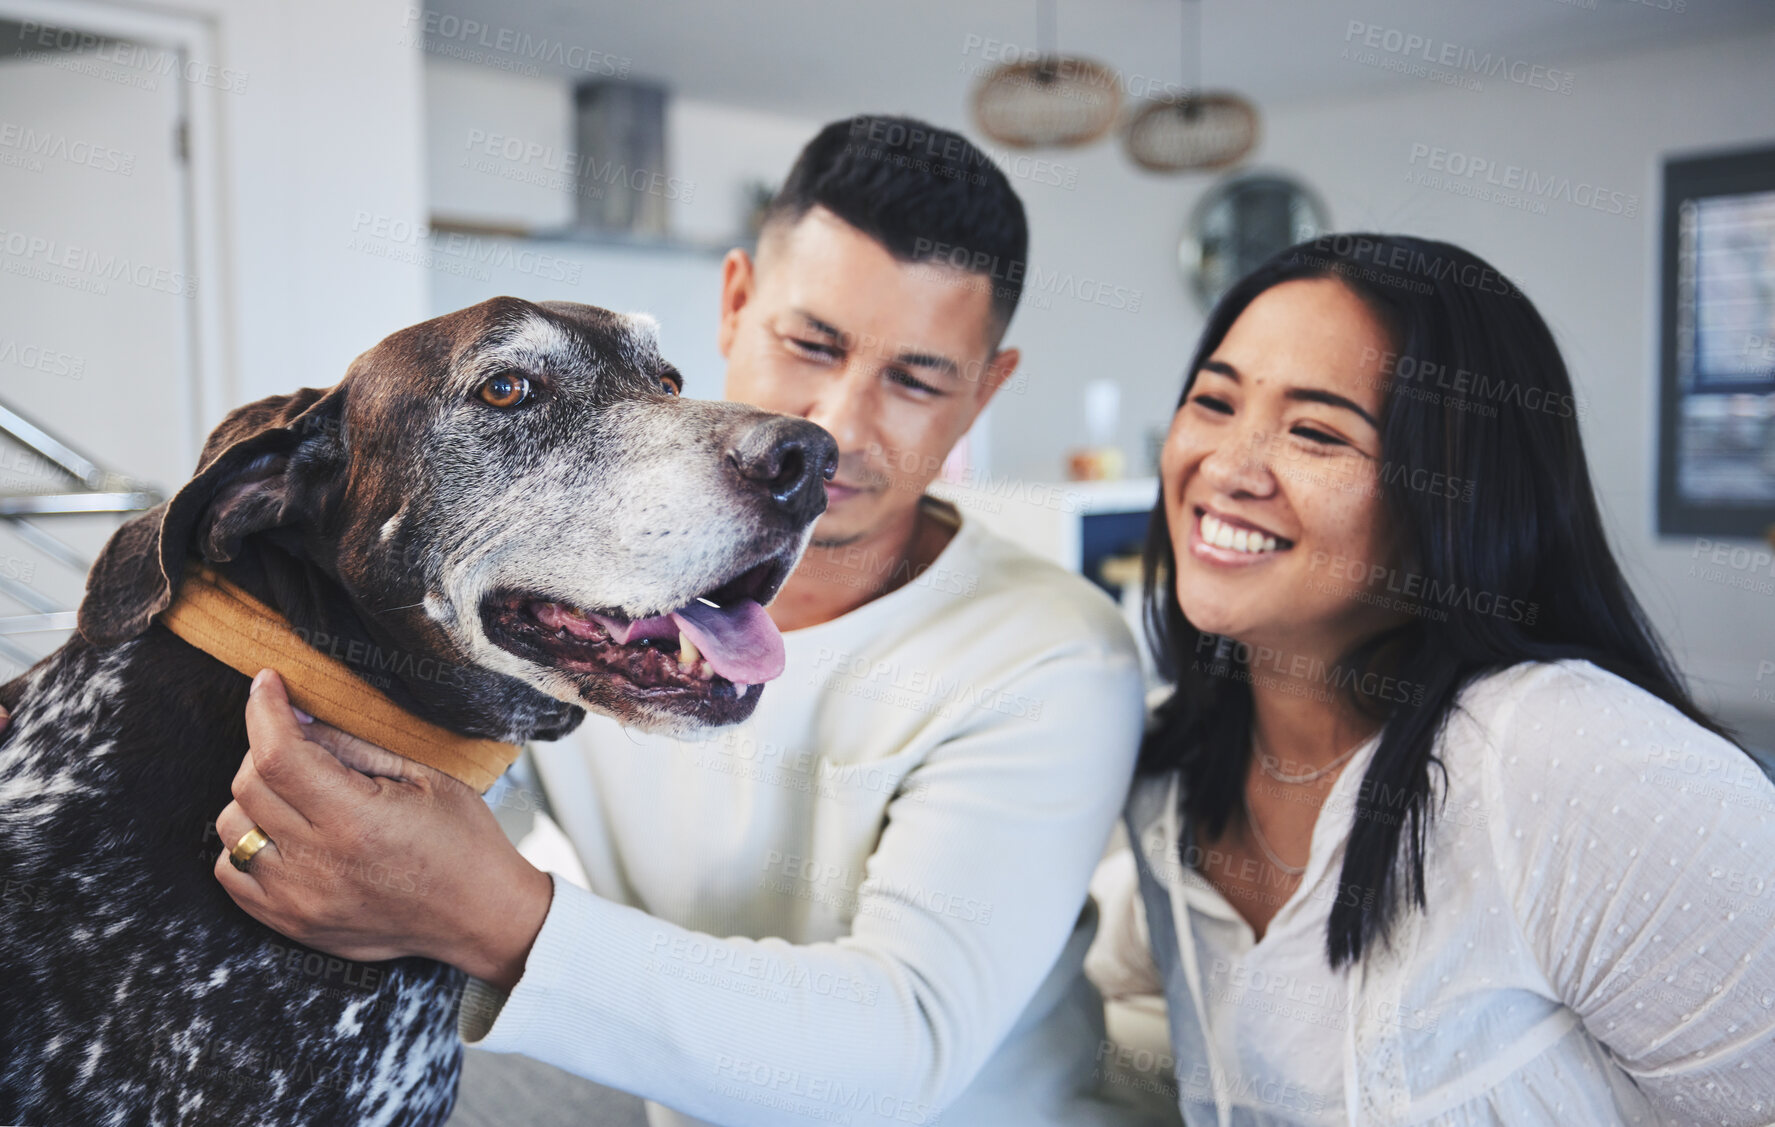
[(699, 653)]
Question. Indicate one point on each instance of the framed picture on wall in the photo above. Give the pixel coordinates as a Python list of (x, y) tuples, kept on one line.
[(1716, 442)]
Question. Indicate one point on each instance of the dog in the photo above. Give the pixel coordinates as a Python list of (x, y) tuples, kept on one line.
[(513, 493)]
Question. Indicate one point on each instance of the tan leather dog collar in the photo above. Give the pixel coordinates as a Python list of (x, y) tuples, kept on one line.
[(230, 625)]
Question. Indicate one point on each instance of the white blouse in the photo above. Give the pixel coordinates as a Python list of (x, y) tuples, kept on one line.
[(1599, 945)]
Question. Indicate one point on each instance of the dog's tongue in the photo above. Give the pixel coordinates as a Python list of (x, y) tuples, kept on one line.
[(739, 639)]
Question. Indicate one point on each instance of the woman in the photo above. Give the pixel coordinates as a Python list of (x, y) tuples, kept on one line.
[(1416, 830)]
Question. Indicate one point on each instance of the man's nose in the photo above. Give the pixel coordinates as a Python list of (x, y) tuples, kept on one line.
[(790, 460), (844, 408)]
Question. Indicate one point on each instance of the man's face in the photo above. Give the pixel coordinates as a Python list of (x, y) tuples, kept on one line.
[(894, 359)]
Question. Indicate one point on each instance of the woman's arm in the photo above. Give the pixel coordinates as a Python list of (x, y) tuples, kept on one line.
[(1640, 856), (968, 898)]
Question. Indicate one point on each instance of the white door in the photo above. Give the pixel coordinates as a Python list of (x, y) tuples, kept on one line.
[(96, 291)]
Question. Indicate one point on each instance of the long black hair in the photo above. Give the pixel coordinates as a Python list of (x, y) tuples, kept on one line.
[(1485, 483)]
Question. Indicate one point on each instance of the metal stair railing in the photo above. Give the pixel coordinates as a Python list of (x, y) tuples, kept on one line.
[(95, 490)]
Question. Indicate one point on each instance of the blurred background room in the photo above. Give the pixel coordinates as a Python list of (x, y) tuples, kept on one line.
[(203, 202)]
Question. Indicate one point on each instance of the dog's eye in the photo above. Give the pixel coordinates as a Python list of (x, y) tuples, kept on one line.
[(670, 385), (507, 389)]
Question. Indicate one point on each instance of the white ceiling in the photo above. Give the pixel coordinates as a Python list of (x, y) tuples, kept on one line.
[(825, 58)]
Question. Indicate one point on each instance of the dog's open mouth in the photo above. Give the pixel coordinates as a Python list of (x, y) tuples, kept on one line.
[(717, 645)]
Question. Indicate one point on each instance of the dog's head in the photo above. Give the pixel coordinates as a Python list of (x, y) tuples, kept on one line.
[(515, 489)]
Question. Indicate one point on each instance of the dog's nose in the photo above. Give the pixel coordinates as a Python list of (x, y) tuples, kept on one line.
[(791, 459)]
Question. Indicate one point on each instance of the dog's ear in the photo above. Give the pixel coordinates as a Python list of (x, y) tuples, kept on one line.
[(244, 484)]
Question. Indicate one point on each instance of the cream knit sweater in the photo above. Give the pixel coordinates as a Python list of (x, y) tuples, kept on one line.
[(867, 903)]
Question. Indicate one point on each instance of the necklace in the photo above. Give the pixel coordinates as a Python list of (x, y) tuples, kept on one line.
[(1268, 762), (1263, 844)]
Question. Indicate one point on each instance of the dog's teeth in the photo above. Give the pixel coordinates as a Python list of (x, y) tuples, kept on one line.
[(688, 654), (739, 688), (706, 671)]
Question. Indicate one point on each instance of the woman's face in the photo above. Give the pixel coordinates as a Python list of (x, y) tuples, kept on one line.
[(1272, 475)]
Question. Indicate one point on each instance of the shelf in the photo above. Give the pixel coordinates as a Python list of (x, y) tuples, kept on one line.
[(589, 237)]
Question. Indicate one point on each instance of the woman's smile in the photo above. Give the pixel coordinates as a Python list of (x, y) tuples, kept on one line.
[(1228, 541)]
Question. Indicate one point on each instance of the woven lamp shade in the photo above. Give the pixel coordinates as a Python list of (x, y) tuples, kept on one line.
[(1191, 133), (1056, 101)]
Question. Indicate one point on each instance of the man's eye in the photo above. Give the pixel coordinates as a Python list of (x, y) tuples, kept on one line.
[(1213, 403), (825, 351), (907, 379), (506, 389)]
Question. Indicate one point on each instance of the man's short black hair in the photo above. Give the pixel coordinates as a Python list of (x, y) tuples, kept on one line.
[(924, 193)]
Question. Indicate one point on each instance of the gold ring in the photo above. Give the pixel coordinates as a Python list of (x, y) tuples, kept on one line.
[(247, 848)]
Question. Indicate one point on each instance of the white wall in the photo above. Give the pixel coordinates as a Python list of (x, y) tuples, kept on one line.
[(721, 150), (1103, 298), (473, 116)]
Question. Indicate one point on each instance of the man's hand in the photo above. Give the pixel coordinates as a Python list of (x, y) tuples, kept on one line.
[(373, 856)]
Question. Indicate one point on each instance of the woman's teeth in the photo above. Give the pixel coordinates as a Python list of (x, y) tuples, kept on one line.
[(1223, 535)]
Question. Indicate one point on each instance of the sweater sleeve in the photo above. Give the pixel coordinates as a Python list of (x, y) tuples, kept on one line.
[(968, 898), (1639, 854)]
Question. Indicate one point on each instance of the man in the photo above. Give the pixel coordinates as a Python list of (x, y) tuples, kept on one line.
[(907, 824), (867, 902)]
